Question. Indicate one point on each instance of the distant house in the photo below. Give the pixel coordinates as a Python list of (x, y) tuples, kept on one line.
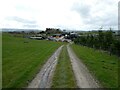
[(57, 35), (37, 38)]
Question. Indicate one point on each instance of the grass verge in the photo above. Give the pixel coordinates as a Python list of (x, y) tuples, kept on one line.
[(22, 59), (64, 76), (103, 66)]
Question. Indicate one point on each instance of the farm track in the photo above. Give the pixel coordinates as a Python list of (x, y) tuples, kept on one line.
[(83, 77), (44, 77)]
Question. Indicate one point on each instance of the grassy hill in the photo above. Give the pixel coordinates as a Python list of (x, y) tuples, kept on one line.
[(22, 59)]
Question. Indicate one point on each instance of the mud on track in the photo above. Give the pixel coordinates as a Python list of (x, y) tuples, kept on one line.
[(44, 77)]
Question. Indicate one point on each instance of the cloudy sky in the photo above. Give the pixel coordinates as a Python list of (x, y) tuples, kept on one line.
[(63, 14)]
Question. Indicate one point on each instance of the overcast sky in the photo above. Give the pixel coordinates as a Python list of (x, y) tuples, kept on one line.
[(63, 14)]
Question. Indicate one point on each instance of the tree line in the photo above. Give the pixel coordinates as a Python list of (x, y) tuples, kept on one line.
[(102, 40)]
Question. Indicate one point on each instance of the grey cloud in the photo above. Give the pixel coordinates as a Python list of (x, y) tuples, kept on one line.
[(104, 2), (18, 19), (31, 26), (25, 8), (119, 13), (82, 9), (106, 20)]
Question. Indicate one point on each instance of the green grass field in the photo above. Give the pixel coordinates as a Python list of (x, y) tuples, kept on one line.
[(103, 66), (64, 76), (22, 59)]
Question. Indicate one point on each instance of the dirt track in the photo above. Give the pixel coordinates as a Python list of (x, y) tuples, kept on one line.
[(44, 77), (83, 78)]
